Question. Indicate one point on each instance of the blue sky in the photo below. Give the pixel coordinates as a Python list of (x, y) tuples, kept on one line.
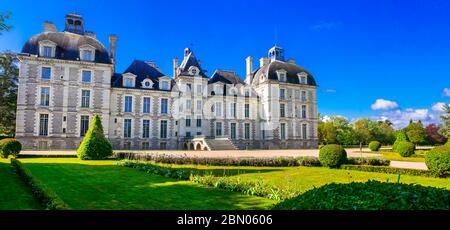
[(358, 51)]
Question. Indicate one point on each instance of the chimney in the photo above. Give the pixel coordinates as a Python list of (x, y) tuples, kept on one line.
[(49, 27), (175, 68), (263, 61), (112, 49), (249, 69)]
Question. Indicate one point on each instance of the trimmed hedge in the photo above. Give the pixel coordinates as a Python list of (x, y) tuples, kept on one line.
[(388, 169), (374, 146), (10, 146), (371, 195), (405, 148), (438, 160), (95, 146), (368, 161), (46, 197), (401, 136), (332, 156)]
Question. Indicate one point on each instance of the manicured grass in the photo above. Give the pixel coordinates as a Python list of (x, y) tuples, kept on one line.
[(419, 156), (104, 185), (301, 179), (14, 194)]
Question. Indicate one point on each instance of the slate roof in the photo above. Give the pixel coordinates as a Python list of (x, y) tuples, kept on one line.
[(67, 45), (225, 76), (143, 70), (188, 61), (291, 69)]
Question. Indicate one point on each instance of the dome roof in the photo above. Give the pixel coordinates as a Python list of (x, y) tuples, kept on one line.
[(292, 70), (67, 45)]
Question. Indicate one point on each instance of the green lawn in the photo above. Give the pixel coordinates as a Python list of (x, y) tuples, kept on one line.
[(104, 185), (419, 156), (301, 179), (14, 193)]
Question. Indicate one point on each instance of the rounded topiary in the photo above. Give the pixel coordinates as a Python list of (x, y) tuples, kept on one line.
[(405, 148), (321, 146), (374, 146), (95, 146), (10, 146), (332, 156), (438, 160), (401, 136)]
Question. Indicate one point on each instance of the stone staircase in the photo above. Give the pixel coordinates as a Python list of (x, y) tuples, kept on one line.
[(220, 144)]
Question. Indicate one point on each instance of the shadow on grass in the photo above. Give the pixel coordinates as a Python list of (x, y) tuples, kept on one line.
[(114, 187)]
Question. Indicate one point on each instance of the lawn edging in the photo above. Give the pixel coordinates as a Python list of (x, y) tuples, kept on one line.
[(389, 169), (46, 197)]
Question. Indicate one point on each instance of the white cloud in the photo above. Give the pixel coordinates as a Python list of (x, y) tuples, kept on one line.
[(438, 107), (446, 92), (329, 91), (401, 118), (327, 118), (384, 104)]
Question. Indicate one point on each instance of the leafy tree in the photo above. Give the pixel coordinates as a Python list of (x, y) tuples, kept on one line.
[(416, 133), (401, 136), (8, 93), (445, 129), (433, 135), (95, 146), (362, 132), (327, 133), (3, 26)]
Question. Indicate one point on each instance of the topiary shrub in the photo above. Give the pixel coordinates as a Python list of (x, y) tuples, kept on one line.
[(405, 148), (448, 142), (401, 136), (438, 160), (374, 146), (372, 195), (95, 146), (10, 146), (332, 156)]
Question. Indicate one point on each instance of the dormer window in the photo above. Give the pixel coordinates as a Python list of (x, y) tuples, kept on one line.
[(165, 85), (47, 49), (87, 53), (281, 75), (218, 89), (194, 70), (147, 83), (128, 80), (303, 78)]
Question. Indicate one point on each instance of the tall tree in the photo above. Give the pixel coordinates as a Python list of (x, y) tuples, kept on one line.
[(8, 93), (433, 135), (3, 25), (416, 132), (362, 132), (327, 133), (445, 129)]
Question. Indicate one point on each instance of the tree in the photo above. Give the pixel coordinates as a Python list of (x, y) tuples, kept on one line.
[(327, 133), (3, 26), (445, 129), (8, 93), (433, 135), (362, 132), (401, 136), (95, 146), (416, 133)]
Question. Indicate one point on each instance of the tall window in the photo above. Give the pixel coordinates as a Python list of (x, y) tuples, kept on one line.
[(233, 130), (282, 77), (128, 104), (86, 76), (86, 55), (303, 111), (45, 96), (247, 110), (247, 131), (84, 125), (188, 122), (199, 89), (233, 109), (146, 105), (282, 93), (247, 93), (43, 125), (145, 128), (188, 105), (282, 110), (304, 134), (283, 131), (188, 87), (46, 73), (218, 129), (199, 122), (218, 109), (85, 98), (164, 105), (163, 129), (127, 128), (47, 51), (165, 85), (303, 95), (199, 105)]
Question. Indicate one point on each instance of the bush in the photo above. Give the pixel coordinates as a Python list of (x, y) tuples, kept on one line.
[(401, 136), (10, 146), (405, 148), (388, 169), (95, 146), (332, 156), (448, 142), (320, 146), (374, 146), (372, 195), (368, 161), (438, 160)]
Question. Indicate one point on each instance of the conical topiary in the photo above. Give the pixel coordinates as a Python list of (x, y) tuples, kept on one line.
[(401, 136), (94, 146)]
